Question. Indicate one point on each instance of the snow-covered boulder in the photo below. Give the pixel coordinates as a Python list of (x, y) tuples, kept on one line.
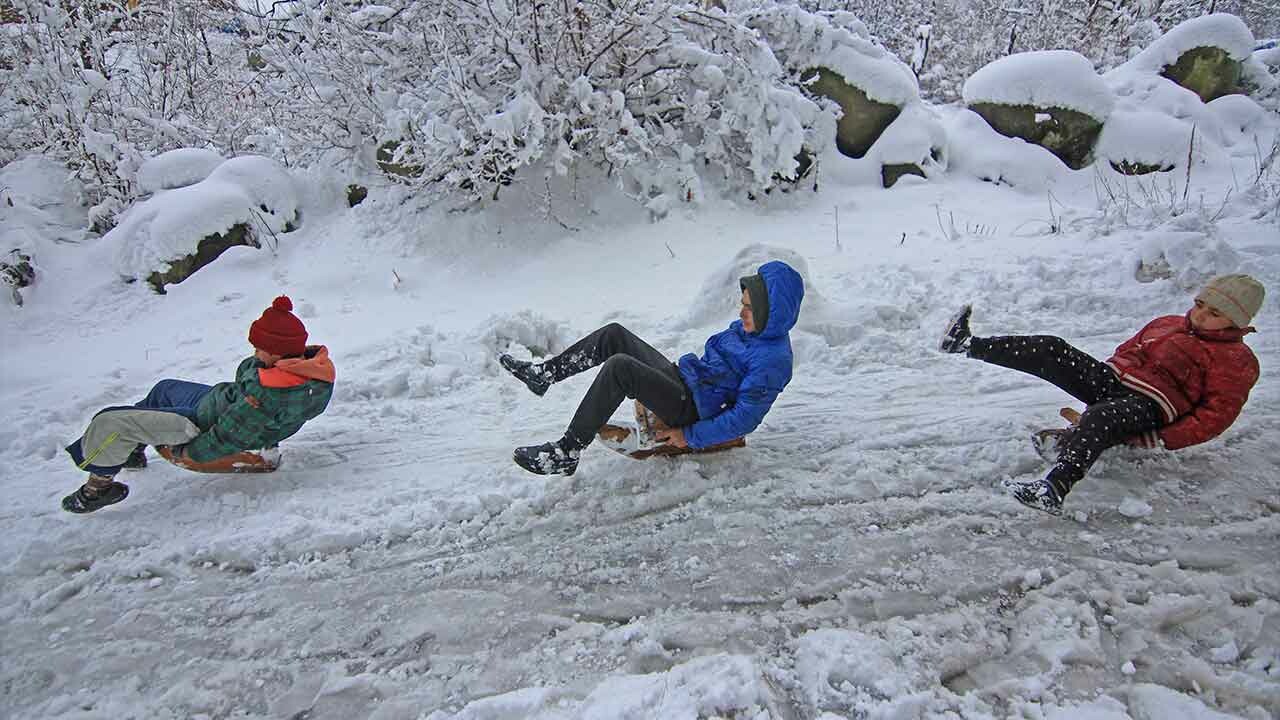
[(1142, 142), (177, 168), (914, 144), (837, 59), (176, 232), (978, 151), (1203, 54), (1052, 98)]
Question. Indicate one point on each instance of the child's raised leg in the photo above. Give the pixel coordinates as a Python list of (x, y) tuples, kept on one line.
[(1050, 358)]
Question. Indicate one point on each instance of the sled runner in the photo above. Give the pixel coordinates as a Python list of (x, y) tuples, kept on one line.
[(639, 441), (1049, 441), (248, 461)]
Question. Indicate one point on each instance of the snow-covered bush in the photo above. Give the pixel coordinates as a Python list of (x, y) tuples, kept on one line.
[(466, 98), (102, 86)]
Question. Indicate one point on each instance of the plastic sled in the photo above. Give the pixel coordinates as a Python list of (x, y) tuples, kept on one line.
[(640, 441), (249, 461), (1047, 442)]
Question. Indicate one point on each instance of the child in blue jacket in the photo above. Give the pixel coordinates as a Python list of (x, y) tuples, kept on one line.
[(705, 400)]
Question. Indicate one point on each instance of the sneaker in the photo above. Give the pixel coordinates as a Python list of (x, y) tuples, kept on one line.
[(547, 459), (531, 375), (89, 498), (1038, 494), (956, 339), (1049, 443), (137, 459)]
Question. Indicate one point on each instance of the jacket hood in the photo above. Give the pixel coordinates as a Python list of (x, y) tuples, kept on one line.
[(314, 365), (786, 290)]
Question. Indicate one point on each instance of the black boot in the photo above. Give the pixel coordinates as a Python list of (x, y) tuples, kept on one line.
[(1040, 494), (956, 338), (137, 459), (531, 375), (96, 494), (548, 458)]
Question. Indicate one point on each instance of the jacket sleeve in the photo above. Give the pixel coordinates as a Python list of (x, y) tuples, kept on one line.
[(239, 428), (1226, 390), (755, 397)]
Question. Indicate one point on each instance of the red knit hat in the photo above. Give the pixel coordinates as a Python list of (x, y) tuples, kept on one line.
[(279, 331)]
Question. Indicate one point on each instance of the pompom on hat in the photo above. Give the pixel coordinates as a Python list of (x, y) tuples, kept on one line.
[(279, 331), (1239, 297)]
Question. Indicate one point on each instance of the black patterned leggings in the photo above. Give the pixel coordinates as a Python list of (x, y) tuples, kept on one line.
[(1114, 413)]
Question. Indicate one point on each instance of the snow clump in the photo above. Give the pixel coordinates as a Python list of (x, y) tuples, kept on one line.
[(176, 168)]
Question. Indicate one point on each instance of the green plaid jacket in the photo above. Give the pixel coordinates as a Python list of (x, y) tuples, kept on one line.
[(231, 422)]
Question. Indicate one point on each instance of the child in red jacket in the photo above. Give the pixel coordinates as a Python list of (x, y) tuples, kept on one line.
[(1181, 380)]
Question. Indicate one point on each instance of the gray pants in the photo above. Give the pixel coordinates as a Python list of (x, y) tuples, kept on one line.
[(115, 432), (630, 368)]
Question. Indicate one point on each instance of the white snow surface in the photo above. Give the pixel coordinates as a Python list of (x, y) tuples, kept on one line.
[(177, 168), (1043, 78), (856, 559)]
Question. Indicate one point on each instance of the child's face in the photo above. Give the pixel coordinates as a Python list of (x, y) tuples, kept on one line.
[(1204, 317), (744, 314), (265, 357)]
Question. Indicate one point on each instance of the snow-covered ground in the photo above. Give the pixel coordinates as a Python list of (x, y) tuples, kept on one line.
[(857, 559)]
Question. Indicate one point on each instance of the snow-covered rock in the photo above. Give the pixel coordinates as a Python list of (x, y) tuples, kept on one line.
[(1136, 143), (1052, 98), (1203, 54), (240, 198), (1043, 79)]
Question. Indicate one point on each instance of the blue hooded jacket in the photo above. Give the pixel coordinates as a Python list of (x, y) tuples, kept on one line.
[(740, 374)]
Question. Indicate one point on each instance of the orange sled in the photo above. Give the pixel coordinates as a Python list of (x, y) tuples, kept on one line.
[(249, 461), (640, 441)]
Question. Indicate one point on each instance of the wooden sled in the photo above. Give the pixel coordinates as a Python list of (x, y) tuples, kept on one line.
[(249, 461), (1047, 442), (640, 441)]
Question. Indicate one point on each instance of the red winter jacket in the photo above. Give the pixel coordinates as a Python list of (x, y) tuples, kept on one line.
[(1201, 379)]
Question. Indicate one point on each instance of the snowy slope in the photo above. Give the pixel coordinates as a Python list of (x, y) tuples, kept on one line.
[(856, 559)]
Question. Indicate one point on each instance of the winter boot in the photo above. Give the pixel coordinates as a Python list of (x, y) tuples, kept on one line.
[(528, 373), (137, 459), (1039, 494), (956, 339), (98, 493), (1049, 443), (548, 458)]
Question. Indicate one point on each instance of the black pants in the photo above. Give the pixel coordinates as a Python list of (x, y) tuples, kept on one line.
[(631, 369), (1114, 413)]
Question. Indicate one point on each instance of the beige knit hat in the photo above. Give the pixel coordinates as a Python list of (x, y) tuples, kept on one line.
[(1237, 296)]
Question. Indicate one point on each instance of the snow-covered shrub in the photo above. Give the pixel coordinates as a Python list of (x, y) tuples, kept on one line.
[(1051, 98), (103, 86), (470, 96)]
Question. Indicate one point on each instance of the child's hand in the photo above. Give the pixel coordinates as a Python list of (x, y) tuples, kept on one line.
[(673, 436)]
